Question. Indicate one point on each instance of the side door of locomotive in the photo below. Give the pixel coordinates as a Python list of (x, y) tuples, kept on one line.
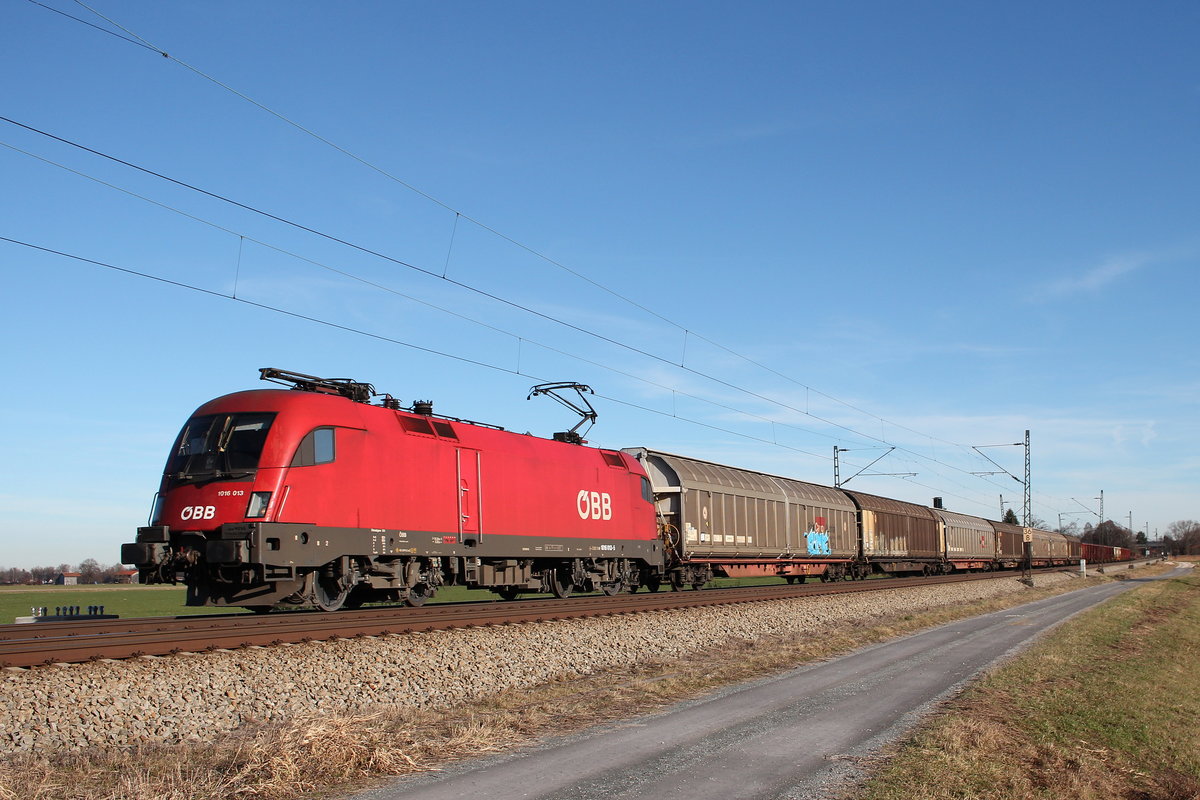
[(470, 493)]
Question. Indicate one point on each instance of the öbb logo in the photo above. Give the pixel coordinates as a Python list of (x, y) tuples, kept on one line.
[(593, 505), (198, 512)]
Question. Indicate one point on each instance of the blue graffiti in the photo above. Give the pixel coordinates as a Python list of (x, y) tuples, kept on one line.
[(818, 543)]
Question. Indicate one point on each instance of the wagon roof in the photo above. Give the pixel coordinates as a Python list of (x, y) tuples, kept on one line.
[(696, 474), (871, 502)]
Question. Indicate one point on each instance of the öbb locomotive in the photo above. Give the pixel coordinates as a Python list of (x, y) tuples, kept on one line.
[(315, 495)]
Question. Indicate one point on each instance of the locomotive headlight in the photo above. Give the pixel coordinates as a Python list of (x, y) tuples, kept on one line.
[(156, 509), (258, 504)]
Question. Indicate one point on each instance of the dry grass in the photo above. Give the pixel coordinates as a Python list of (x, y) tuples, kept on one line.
[(321, 753), (1104, 710)]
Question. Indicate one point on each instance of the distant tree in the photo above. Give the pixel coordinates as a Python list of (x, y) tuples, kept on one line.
[(1010, 517), (89, 571), (1186, 533), (1109, 533), (1141, 537), (44, 574), (110, 574), (1071, 528), (15, 575)]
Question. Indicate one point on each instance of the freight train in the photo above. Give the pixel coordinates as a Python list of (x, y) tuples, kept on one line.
[(316, 495)]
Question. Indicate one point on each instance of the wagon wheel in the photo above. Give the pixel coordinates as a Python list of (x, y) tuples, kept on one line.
[(417, 595), (676, 581), (790, 579), (561, 584), (653, 584)]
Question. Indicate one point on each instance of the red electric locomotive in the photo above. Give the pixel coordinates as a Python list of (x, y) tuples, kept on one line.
[(318, 497)]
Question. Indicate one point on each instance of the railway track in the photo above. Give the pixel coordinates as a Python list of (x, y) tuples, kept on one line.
[(35, 644)]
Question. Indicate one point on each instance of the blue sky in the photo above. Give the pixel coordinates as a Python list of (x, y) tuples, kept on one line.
[(926, 225)]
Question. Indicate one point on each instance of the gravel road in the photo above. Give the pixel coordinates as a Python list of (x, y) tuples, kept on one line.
[(795, 736)]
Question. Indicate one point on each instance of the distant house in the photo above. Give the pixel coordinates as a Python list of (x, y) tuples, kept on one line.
[(67, 579), (126, 576)]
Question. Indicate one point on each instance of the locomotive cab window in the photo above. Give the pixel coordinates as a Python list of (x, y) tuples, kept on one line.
[(219, 446), (315, 448)]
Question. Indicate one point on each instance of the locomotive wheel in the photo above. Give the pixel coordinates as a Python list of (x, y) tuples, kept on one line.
[(508, 592), (653, 584), (616, 587), (327, 596), (258, 609), (676, 581), (417, 595), (560, 583)]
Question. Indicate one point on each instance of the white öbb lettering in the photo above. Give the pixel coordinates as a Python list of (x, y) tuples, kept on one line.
[(198, 512), (593, 505)]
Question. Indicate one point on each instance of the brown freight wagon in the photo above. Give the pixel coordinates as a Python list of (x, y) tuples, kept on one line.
[(1059, 546), (1010, 544), (736, 522), (898, 537), (970, 542)]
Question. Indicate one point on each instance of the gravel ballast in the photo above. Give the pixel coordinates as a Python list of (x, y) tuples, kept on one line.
[(200, 697)]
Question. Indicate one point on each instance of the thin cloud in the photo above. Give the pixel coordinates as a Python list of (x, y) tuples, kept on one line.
[(1099, 277), (1111, 270)]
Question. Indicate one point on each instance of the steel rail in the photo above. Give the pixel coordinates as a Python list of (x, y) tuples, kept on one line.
[(34, 644)]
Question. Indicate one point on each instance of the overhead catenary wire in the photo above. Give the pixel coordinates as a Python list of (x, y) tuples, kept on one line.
[(243, 238), (460, 284), (136, 39), (141, 41), (433, 274), (379, 337)]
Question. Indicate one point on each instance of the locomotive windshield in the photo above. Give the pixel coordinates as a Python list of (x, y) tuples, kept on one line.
[(219, 447)]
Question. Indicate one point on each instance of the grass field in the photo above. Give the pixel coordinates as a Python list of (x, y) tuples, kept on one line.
[(1106, 708), (126, 601)]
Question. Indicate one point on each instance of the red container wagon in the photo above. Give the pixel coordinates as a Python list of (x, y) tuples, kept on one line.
[(317, 497), (969, 542), (897, 537), (724, 521), (1104, 553)]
